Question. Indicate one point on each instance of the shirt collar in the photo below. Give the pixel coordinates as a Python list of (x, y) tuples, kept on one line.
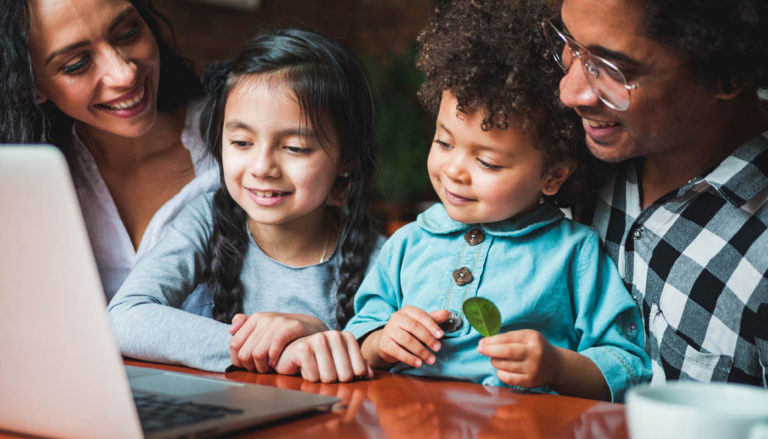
[(742, 175), (436, 220)]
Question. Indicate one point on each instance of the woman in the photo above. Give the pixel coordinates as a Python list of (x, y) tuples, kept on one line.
[(95, 78)]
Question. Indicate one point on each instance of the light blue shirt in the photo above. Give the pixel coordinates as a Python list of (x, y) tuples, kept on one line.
[(544, 272)]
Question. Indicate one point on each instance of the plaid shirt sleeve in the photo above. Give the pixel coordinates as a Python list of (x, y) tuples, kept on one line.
[(696, 261)]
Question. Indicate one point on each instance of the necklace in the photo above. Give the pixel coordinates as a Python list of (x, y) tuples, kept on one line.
[(325, 248)]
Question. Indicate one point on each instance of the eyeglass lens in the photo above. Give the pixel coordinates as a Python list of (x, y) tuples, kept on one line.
[(607, 81)]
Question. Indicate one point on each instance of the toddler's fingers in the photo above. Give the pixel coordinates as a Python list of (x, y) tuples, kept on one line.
[(507, 351), (426, 321), (394, 350)]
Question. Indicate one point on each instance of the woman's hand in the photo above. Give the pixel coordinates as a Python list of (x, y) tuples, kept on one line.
[(259, 339), (410, 336), (327, 356)]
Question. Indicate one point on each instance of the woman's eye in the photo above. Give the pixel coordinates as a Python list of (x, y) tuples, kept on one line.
[(130, 33), (76, 67), (487, 165)]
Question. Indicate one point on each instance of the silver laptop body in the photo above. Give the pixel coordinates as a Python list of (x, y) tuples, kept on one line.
[(61, 373)]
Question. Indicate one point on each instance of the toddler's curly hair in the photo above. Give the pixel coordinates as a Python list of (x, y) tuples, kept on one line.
[(493, 56)]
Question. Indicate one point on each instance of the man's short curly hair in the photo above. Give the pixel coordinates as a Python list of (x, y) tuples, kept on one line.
[(725, 42), (492, 55)]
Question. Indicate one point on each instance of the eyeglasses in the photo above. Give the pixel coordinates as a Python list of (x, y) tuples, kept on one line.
[(605, 79)]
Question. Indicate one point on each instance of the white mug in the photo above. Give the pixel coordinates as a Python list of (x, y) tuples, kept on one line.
[(688, 410)]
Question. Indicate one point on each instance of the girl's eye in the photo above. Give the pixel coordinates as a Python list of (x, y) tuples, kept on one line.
[(76, 67), (242, 144), (297, 149), (130, 33), (486, 165), (442, 144)]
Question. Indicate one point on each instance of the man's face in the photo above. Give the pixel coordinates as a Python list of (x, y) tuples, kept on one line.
[(667, 111)]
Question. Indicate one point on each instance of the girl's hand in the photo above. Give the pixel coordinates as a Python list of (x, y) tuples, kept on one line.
[(327, 356), (523, 358), (410, 336), (260, 338)]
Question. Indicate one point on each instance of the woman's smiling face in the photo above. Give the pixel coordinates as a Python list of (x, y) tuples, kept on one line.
[(97, 61)]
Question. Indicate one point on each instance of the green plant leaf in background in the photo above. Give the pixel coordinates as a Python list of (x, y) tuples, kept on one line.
[(482, 315)]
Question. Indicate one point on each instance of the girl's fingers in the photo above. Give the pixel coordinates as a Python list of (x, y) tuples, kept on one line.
[(237, 322), (309, 367), (340, 353), (358, 363)]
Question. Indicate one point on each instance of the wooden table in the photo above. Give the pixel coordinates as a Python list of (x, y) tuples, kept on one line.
[(398, 406)]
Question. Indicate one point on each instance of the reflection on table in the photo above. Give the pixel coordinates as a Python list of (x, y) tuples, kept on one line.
[(398, 406)]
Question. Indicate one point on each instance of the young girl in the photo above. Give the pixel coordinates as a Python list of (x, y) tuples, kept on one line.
[(502, 152), (289, 120)]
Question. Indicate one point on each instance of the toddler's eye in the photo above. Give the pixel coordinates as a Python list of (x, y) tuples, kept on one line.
[(486, 165), (442, 144)]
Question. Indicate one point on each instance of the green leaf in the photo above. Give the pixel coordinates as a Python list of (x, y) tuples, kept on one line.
[(482, 315)]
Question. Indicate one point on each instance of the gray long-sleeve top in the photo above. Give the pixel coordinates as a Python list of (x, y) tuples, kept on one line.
[(163, 313)]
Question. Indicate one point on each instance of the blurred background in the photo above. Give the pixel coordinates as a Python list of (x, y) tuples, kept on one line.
[(382, 33)]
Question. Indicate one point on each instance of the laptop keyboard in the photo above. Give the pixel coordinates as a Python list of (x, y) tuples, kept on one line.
[(158, 412)]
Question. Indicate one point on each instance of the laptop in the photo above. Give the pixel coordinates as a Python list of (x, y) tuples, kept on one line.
[(61, 373)]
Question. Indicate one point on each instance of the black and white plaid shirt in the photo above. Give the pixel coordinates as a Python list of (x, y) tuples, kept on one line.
[(696, 261)]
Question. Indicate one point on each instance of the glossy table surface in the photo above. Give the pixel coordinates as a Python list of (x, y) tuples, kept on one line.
[(399, 406)]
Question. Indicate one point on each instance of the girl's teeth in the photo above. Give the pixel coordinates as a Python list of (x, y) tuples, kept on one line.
[(129, 103), (266, 194)]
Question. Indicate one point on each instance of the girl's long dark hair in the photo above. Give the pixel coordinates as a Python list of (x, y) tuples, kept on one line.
[(333, 93), (26, 121)]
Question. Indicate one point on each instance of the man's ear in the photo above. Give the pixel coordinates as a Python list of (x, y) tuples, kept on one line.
[(555, 178), (727, 91)]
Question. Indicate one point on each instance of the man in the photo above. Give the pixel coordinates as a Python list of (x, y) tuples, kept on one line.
[(668, 91)]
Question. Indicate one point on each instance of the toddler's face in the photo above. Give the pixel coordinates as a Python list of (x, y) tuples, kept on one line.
[(484, 176), (274, 167)]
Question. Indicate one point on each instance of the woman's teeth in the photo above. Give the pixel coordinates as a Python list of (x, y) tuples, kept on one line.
[(127, 104)]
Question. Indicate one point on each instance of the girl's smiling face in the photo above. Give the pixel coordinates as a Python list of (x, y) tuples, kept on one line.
[(486, 176), (274, 167), (98, 61)]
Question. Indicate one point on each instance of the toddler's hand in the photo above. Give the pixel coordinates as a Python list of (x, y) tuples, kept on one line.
[(523, 358), (260, 338), (410, 336), (327, 356)]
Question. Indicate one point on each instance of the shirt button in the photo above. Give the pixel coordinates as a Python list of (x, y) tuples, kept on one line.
[(453, 323), (462, 276), (474, 236), (632, 326), (637, 233)]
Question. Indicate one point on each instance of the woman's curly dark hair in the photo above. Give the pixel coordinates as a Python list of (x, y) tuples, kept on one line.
[(726, 42), (27, 121), (492, 55)]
